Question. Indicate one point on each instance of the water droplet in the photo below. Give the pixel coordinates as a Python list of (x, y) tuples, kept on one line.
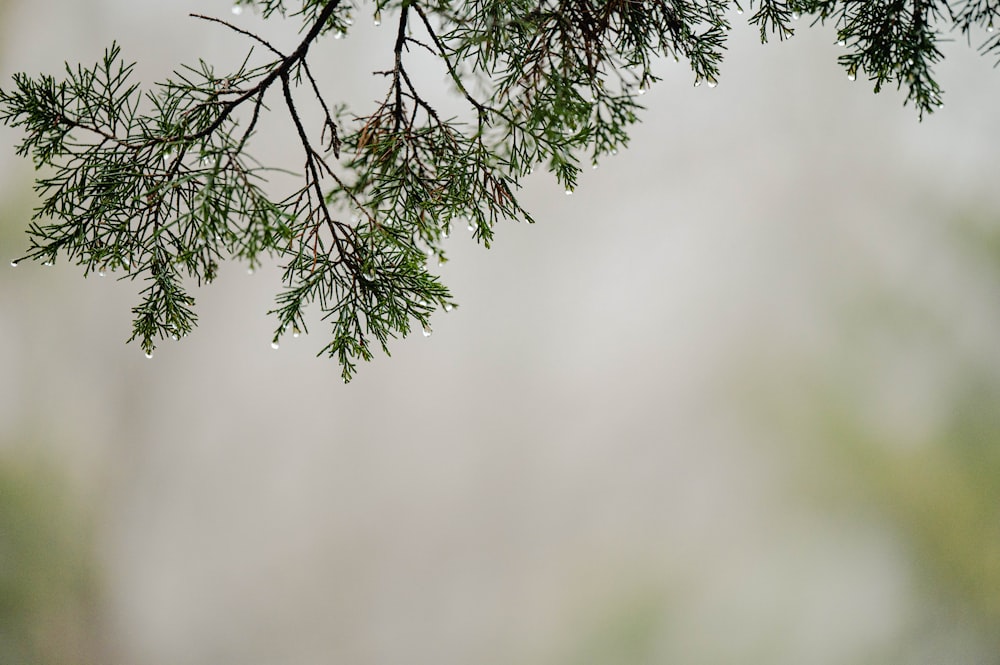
[(296, 334), (444, 234), (614, 151), (796, 15), (249, 271), (101, 273), (594, 166), (989, 28), (448, 307), (149, 354), (237, 10), (851, 76), (569, 192), (697, 84), (48, 264), (842, 42), (174, 337), (427, 331), (712, 83), (472, 227), (13, 264), (739, 11), (349, 21), (274, 345), (338, 35), (378, 18)]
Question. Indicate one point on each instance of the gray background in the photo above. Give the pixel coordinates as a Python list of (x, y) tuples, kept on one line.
[(734, 401)]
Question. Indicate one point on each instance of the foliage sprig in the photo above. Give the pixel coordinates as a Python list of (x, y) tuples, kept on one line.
[(160, 183)]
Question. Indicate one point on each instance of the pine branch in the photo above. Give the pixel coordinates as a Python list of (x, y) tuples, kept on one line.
[(160, 185)]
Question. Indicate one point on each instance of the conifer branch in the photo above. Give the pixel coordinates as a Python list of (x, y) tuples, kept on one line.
[(160, 186)]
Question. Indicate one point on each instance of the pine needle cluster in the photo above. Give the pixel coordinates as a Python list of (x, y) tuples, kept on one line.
[(159, 185)]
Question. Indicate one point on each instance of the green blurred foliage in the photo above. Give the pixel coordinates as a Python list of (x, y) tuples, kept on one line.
[(944, 499), (939, 490), (861, 447), (625, 630), (48, 613)]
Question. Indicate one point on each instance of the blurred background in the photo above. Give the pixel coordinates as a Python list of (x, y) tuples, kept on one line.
[(736, 400)]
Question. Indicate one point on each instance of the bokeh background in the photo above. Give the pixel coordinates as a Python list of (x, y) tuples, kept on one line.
[(736, 400)]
